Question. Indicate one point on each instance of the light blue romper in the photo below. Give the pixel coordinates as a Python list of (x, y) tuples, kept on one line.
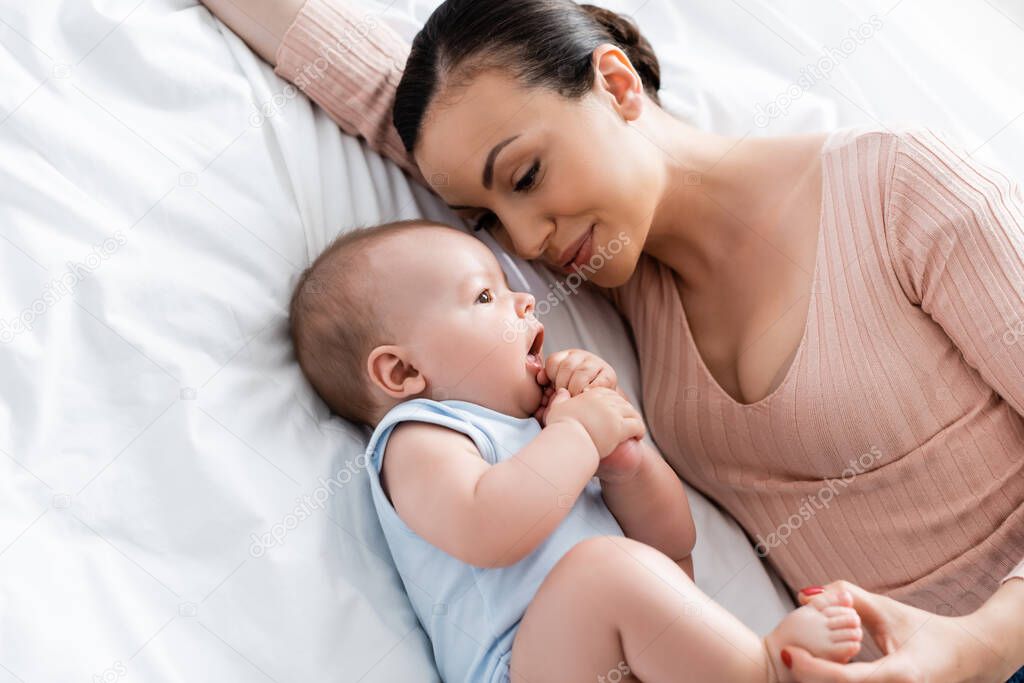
[(471, 614)]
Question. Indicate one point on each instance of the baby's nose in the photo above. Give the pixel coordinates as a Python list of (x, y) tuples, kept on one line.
[(524, 303)]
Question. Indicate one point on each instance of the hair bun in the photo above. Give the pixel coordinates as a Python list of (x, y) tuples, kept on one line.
[(626, 34)]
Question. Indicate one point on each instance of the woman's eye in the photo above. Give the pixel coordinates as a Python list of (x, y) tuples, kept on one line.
[(527, 181), (485, 221), (485, 297)]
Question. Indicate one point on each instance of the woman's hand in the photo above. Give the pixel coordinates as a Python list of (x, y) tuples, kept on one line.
[(920, 646)]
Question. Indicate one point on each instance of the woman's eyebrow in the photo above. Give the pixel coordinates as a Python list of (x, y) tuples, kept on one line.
[(488, 176)]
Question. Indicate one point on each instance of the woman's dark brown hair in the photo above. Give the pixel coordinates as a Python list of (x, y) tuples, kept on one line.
[(543, 43)]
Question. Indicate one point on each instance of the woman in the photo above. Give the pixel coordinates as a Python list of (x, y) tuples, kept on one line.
[(808, 310)]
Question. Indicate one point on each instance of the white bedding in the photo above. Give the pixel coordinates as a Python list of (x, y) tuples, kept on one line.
[(175, 503)]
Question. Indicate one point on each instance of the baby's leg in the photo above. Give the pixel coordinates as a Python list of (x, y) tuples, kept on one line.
[(613, 606)]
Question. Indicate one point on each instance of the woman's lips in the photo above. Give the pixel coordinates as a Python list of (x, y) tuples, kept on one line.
[(583, 254)]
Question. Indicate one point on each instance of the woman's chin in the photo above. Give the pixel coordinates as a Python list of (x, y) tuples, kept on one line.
[(616, 272)]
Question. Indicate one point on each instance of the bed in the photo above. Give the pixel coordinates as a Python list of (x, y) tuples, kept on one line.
[(175, 502)]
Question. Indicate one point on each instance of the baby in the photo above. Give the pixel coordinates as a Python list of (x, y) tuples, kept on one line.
[(538, 537)]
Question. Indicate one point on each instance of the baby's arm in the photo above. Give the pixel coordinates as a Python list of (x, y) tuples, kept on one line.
[(651, 506), (640, 489), (487, 516)]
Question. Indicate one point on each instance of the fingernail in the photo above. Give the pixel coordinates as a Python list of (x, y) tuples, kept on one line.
[(787, 659), (812, 590)]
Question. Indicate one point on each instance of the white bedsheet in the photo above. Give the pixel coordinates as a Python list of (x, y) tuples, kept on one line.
[(175, 504)]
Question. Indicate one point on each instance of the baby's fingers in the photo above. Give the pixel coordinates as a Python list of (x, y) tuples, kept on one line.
[(553, 363), (582, 377), (605, 378), (568, 367), (633, 428)]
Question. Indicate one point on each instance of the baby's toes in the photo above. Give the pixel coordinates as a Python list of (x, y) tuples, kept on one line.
[(842, 653), (829, 599), (844, 644), (841, 617), (847, 635), (843, 621)]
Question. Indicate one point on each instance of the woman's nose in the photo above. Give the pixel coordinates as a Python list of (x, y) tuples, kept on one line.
[(529, 238)]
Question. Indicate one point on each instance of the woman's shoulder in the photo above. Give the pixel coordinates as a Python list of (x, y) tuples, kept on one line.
[(892, 140), (894, 164)]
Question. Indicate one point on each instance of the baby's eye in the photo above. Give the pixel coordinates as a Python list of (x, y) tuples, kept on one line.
[(485, 297)]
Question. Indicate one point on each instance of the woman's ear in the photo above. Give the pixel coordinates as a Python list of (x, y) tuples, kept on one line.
[(614, 75), (390, 369)]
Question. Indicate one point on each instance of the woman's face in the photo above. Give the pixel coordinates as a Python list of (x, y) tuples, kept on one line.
[(572, 182)]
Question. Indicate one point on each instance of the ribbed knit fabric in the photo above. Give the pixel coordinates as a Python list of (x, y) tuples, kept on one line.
[(892, 453), (350, 64)]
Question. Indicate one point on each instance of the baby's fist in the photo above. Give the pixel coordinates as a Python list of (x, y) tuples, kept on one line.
[(607, 417), (576, 370)]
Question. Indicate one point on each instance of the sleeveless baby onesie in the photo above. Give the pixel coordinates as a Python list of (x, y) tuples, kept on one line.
[(471, 614)]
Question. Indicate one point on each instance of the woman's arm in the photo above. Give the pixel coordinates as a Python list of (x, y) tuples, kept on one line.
[(346, 61), (956, 237), (260, 23)]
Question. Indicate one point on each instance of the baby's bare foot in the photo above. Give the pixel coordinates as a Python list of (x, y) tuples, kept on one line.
[(827, 626)]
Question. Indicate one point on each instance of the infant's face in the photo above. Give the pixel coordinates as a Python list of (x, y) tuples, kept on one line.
[(448, 301)]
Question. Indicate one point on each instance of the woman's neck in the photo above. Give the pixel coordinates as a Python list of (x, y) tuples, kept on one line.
[(714, 195)]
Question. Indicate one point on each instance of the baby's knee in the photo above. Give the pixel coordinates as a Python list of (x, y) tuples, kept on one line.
[(617, 557)]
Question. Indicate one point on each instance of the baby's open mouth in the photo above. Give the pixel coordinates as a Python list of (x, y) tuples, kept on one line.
[(538, 342), (533, 357)]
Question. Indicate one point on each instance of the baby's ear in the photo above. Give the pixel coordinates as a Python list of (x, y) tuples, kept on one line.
[(390, 369)]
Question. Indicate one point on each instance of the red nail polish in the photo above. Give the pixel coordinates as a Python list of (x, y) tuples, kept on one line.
[(787, 659), (812, 590)]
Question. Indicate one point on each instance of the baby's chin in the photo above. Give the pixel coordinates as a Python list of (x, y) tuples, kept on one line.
[(536, 394)]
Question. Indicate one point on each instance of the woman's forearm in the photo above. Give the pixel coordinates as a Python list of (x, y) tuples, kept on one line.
[(350, 62), (997, 630), (260, 23), (342, 57)]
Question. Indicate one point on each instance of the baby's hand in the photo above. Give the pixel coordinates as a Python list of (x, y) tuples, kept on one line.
[(577, 370), (606, 416)]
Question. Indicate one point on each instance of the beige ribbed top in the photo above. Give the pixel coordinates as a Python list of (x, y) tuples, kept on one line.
[(892, 453)]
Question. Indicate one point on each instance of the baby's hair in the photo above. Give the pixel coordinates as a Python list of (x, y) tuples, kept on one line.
[(333, 322)]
